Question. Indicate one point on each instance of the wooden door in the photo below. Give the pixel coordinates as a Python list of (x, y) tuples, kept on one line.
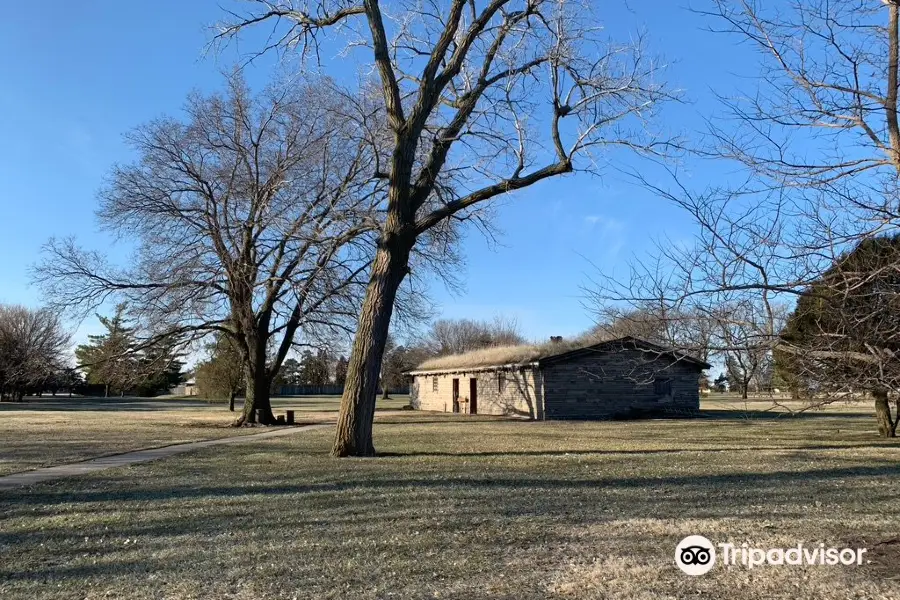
[(456, 395), (473, 396)]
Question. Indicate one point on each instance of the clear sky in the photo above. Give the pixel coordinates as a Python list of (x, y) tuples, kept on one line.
[(75, 76)]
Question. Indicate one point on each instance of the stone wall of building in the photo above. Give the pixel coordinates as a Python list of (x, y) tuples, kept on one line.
[(593, 385), (514, 392), (621, 383)]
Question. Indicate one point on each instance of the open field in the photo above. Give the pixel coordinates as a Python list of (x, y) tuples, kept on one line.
[(471, 508), (50, 431)]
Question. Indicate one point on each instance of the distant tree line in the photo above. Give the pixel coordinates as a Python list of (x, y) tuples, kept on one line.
[(218, 376), (36, 358)]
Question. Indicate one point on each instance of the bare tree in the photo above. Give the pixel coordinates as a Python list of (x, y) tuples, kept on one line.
[(33, 344), (819, 137), (688, 330), (480, 99), (455, 336), (614, 322), (819, 142), (745, 337), (254, 219), (829, 68)]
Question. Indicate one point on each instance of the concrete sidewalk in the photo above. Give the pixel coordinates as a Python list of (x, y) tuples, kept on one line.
[(139, 456)]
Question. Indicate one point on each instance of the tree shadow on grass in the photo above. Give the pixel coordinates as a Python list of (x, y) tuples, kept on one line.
[(770, 415), (684, 450), (366, 500), (40, 496)]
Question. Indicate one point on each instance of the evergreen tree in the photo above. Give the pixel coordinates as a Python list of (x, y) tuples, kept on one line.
[(844, 334), (159, 368), (314, 367), (290, 372), (109, 359), (721, 383), (396, 363), (340, 371)]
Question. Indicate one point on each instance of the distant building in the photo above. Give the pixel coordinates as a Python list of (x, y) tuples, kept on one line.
[(615, 378), (188, 388)]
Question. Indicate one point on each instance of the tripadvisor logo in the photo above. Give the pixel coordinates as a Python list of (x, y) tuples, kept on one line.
[(696, 555)]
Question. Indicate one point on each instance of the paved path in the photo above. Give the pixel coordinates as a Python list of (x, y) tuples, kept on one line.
[(138, 456)]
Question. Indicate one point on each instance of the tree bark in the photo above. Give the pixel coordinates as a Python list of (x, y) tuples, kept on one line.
[(257, 400), (887, 426), (893, 126), (231, 401), (896, 418), (354, 428)]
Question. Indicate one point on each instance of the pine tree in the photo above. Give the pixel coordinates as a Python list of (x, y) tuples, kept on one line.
[(340, 371), (109, 359), (314, 368), (159, 368), (721, 382)]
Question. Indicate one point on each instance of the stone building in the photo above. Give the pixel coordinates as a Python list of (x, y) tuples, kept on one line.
[(614, 378)]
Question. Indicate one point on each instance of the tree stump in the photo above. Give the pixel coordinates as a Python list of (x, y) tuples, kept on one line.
[(289, 416)]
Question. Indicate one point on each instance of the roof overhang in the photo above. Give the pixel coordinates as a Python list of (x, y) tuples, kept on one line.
[(629, 341), (451, 370)]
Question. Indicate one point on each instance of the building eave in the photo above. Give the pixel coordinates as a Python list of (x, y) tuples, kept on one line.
[(452, 370), (560, 356)]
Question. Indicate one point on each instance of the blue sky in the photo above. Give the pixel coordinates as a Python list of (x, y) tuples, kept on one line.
[(77, 75)]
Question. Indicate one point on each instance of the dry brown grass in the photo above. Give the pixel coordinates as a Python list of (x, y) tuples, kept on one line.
[(503, 355), (467, 507), (33, 439), (486, 357), (509, 355), (47, 432)]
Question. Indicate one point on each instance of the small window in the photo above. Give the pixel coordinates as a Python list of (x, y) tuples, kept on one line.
[(662, 387), (501, 381), (434, 384)]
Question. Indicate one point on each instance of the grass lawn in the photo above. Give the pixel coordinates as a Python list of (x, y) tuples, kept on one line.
[(51, 431), (471, 508)]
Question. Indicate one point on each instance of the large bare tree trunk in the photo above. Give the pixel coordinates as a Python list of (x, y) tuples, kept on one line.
[(257, 400), (887, 426), (354, 428)]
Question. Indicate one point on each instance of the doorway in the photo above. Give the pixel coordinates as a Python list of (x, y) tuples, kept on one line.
[(473, 396), (456, 395)]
